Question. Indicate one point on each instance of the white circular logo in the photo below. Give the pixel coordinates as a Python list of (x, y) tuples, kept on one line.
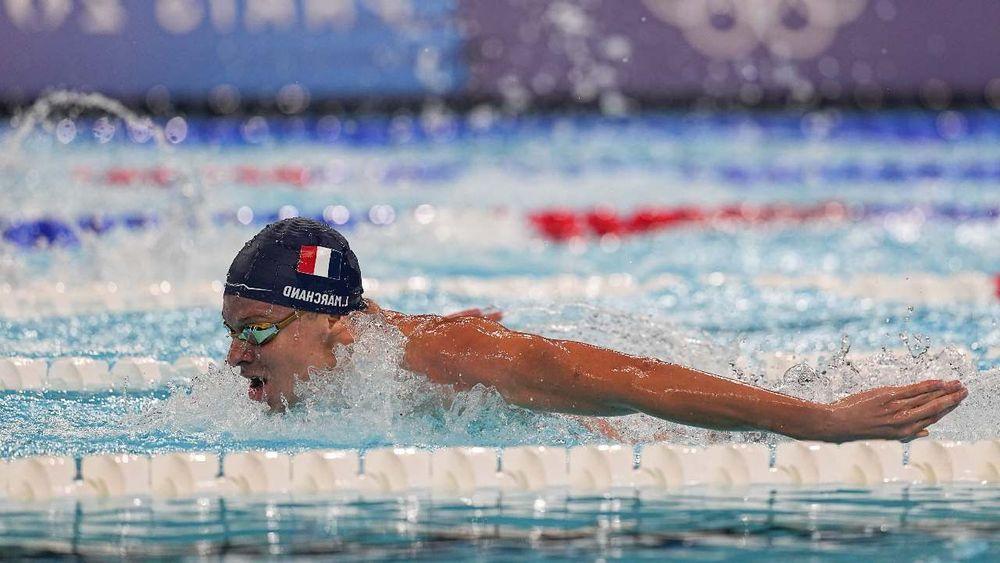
[(732, 29)]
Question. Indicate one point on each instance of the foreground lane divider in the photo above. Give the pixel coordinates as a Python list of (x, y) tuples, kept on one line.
[(396, 470), (810, 463), (326, 471), (944, 462), (474, 472), (600, 468), (465, 471), (534, 468), (89, 375), (184, 474), (42, 478), (257, 472), (669, 466), (116, 475), (874, 462)]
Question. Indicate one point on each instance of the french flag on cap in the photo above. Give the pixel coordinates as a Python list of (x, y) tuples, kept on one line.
[(319, 261)]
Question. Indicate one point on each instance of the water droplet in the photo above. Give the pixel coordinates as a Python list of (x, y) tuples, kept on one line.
[(336, 214), (104, 130), (424, 213), (66, 131), (176, 130), (141, 131), (244, 215)]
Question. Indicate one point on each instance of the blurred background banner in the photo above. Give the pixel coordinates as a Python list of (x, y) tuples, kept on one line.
[(848, 51), (197, 49), (858, 52)]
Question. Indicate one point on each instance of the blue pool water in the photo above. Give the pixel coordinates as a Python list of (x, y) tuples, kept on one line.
[(922, 523), (459, 191)]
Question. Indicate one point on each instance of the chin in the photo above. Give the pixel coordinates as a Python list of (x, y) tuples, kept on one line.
[(281, 404)]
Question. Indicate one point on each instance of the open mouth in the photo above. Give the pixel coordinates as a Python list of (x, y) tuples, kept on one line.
[(256, 390)]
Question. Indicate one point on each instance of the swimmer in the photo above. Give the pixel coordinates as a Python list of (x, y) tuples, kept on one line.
[(293, 289)]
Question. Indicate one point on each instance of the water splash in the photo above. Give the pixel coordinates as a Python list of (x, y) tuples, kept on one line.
[(185, 212), (369, 400), (38, 116)]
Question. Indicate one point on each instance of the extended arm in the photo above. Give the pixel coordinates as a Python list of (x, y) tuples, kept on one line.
[(572, 377)]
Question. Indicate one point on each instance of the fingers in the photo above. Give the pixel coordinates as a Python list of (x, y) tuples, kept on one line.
[(923, 423), (918, 429), (922, 434), (937, 407), (914, 402), (923, 387)]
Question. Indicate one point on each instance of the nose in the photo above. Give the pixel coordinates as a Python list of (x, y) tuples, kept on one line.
[(240, 352)]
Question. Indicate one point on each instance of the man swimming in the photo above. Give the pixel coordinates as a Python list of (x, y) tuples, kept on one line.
[(293, 289)]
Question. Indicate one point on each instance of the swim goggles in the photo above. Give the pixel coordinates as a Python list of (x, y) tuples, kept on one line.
[(261, 333)]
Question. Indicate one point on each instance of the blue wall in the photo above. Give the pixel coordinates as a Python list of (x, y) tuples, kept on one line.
[(333, 48)]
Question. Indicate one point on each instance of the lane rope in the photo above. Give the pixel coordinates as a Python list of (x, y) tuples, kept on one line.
[(557, 225)]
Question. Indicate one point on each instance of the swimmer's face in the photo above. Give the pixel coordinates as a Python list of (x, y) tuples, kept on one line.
[(272, 369)]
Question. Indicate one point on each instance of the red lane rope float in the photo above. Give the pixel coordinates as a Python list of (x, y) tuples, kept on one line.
[(121, 176), (565, 224)]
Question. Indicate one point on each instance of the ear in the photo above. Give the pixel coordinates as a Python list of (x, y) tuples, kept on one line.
[(339, 330)]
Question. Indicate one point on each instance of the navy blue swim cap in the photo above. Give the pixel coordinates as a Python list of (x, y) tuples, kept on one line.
[(298, 263)]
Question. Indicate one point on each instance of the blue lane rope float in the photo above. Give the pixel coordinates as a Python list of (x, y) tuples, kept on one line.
[(411, 129)]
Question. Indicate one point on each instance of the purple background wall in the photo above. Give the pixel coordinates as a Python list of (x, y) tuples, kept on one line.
[(927, 48)]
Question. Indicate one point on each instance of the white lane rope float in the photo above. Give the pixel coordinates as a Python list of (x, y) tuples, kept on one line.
[(48, 299)]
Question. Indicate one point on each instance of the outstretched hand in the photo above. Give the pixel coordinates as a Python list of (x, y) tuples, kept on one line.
[(893, 413)]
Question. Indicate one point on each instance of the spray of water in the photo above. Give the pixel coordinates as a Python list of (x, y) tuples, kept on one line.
[(183, 213), (367, 400), (39, 114)]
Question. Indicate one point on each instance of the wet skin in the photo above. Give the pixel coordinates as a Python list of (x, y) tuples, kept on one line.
[(272, 369), (576, 378)]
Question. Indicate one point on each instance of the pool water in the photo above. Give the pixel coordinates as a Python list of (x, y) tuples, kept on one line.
[(922, 523), (438, 212)]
